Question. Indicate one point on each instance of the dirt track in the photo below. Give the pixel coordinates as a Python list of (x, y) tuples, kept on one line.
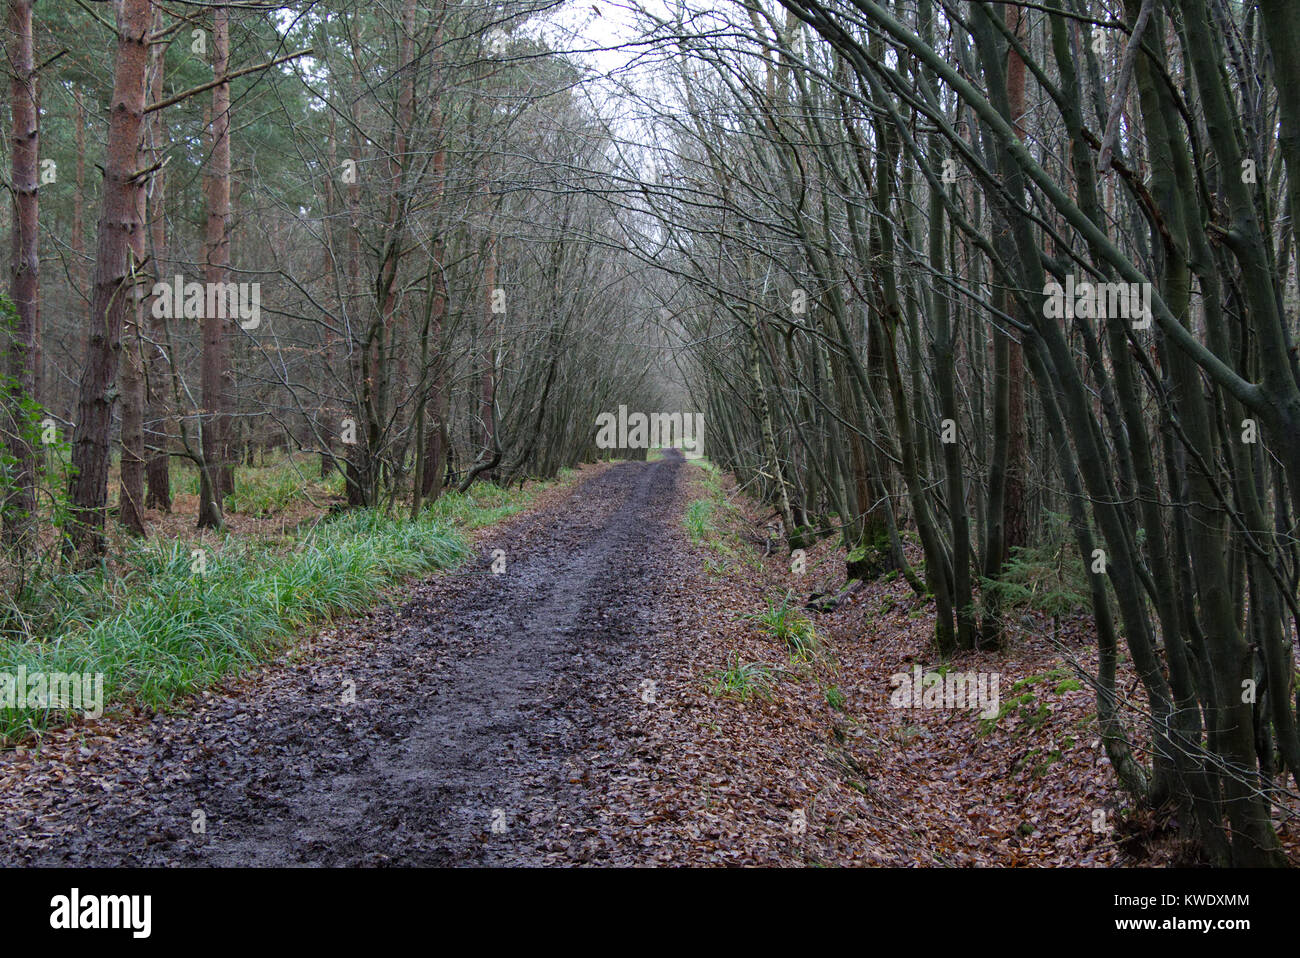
[(475, 701)]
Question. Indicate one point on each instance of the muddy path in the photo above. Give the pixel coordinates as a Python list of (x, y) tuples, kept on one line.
[(450, 729)]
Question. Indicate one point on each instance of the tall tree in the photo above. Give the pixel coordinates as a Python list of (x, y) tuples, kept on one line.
[(119, 248), (1015, 510), (217, 474), (24, 287), (157, 412)]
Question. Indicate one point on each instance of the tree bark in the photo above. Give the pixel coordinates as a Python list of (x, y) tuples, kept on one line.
[(217, 479), (120, 240), (158, 427), (24, 289)]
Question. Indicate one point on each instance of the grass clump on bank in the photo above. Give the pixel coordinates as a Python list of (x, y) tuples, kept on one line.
[(708, 521), (164, 618), (785, 623), (743, 680)]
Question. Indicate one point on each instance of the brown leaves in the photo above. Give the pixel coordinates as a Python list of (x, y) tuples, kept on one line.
[(616, 751)]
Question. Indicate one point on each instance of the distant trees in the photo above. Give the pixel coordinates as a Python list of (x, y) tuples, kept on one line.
[(416, 189)]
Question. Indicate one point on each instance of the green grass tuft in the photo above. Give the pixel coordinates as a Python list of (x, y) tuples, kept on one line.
[(706, 522), (743, 680), (788, 625)]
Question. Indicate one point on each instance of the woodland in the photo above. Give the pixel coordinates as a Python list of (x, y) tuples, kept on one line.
[(998, 299)]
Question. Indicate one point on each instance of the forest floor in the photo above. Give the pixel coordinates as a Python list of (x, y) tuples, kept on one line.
[(607, 698)]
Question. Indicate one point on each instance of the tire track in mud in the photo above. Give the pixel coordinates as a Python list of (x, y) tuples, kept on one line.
[(474, 702)]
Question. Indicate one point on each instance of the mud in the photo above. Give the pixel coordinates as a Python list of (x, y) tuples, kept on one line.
[(450, 729)]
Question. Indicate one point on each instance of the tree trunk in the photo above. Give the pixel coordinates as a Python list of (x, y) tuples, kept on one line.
[(1015, 523), (20, 504), (131, 485), (434, 426), (218, 477), (120, 237), (158, 428)]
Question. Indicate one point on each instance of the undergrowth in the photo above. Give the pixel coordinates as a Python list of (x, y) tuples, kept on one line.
[(708, 522), (1048, 577), (743, 680), (160, 619), (785, 623)]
